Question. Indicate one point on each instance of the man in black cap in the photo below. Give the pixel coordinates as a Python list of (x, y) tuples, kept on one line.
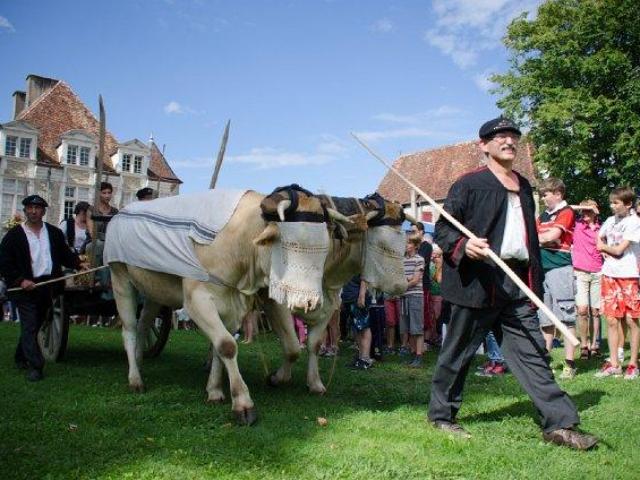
[(34, 252), (496, 203), (144, 194)]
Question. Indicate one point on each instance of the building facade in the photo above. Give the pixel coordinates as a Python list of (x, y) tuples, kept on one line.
[(50, 148)]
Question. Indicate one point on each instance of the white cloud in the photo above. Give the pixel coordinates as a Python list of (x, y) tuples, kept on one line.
[(174, 107), (482, 80), (384, 25), (421, 117), (265, 158), (411, 132), (5, 24), (466, 28), (194, 163)]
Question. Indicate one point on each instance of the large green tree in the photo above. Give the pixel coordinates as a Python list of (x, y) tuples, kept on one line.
[(574, 80)]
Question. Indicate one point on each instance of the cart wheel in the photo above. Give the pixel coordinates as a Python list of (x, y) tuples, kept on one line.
[(158, 334), (54, 333)]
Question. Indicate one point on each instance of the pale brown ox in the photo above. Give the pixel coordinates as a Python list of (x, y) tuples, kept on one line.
[(240, 255), (345, 260)]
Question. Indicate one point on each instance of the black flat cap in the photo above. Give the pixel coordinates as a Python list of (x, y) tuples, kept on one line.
[(144, 192), (497, 125), (35, 200)]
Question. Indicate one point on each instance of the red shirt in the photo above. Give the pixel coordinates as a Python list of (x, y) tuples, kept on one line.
[(561, 217)]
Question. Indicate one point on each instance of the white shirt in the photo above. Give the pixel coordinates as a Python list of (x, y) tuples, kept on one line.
[(514, 242), (40, 250), (615, 230)]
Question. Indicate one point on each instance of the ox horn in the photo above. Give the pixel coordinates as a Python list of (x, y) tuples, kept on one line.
[(338, 217), (410, 218), (371, 215), (282, 206)]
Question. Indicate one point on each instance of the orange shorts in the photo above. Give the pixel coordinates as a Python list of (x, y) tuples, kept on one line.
[(620, 297)]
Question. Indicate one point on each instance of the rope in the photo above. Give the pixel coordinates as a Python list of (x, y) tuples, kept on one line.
[(59, 279)]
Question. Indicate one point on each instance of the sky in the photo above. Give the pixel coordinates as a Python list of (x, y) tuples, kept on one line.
[(294, 77)]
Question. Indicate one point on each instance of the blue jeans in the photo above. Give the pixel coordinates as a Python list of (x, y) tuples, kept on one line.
[(493, 350)]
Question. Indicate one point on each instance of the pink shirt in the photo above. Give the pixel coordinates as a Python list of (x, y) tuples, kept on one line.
[(584, 255)]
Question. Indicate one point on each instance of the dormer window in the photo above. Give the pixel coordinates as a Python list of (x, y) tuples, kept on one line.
[(126, 162), (18, 139), (25, 147), (10, 146), (72, 154), (137, 164), (84, 156), (78, 147)]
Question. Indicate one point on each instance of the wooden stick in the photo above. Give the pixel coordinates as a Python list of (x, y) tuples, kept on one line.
[(490, 253), (223, 147), (59, 279)]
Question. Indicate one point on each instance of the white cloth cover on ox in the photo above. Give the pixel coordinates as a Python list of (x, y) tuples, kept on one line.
[(297, 264), (383, 257), (158, 235)]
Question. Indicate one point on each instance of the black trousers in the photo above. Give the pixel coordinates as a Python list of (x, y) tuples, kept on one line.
[(518, 332), (33, 308)]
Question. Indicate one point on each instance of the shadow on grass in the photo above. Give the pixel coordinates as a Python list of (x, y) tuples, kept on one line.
[(583, 401)]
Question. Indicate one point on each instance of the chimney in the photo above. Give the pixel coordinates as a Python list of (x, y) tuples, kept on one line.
[(19, 99), (36, 86)]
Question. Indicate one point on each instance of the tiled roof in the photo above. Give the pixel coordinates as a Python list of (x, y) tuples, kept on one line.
[(434, 171), (159, 169), (57, 111)]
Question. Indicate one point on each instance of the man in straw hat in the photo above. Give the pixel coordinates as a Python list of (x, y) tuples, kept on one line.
[(496, 203)]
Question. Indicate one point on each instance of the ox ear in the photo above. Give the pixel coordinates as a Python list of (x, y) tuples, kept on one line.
[(269, 235)]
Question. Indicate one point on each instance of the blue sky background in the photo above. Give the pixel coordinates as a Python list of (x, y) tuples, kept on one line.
[(294, 77)]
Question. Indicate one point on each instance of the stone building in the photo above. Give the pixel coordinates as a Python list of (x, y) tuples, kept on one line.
[(434, 171), (50, 148)]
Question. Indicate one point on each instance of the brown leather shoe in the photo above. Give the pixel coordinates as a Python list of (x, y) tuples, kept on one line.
[(450, 427), (571, 438)]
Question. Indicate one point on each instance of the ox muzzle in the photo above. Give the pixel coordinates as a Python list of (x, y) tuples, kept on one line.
[(383, 267)]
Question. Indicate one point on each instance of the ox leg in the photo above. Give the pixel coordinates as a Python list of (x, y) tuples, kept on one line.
[(316, 335), (282, 324), (202, 309), (125, 296), (215, 393), (149, 313)]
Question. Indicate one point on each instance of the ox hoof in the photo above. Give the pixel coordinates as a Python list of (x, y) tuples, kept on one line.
[(274, 381), (318, 390), (217, 399), (137, 388), (246, 417)]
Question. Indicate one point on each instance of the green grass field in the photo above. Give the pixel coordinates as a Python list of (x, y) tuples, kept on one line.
[(81, 421)]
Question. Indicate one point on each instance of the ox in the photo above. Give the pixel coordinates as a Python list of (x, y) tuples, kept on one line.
[(240, 259), (366, 239)]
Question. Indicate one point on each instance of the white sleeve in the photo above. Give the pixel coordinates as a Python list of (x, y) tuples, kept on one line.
[(633, 232)]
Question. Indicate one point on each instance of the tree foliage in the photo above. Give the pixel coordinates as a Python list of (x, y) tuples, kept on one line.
[(574, 80)]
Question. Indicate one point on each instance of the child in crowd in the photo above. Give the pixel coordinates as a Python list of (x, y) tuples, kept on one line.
[(435, 303), (618, 243), (391, 320), (587, 263), (412, 321), (555, 232), (355, 302), (329, 346)]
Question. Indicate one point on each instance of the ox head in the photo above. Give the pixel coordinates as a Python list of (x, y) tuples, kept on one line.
[(297, 232), (385, 242)]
